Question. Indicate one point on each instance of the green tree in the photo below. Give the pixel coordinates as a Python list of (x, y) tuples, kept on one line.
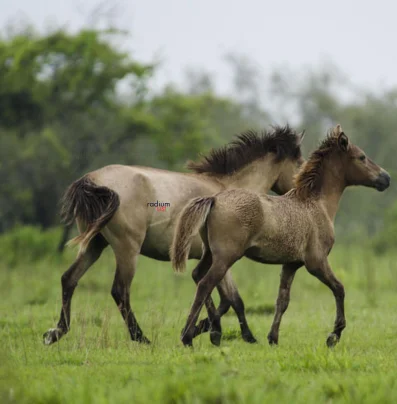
[(58, 111)]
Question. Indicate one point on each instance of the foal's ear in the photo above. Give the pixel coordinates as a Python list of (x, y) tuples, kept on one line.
[(300, 137), (338, 130), (343, 141)]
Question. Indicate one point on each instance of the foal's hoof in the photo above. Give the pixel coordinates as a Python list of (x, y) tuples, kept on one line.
[(187, 341), (332, 340), (249, 338), (52, 335), (203, 326), (215, 337), (272, 339)]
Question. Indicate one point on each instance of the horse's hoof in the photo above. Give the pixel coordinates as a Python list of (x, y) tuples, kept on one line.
[(332, 340), (52, 335), (250, 339), (272, 340), (215, 337)]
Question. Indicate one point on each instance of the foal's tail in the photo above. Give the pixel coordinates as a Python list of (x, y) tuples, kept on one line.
[(189, 223), (92, 204)]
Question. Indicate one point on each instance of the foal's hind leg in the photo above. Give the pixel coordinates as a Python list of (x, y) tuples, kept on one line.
[(126, 259), (211, 323), (215, 274), (69, 282), (230, 297), (286, 278)]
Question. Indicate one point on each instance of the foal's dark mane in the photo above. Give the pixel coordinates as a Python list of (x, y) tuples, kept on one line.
[(308, 181), (248, 147)]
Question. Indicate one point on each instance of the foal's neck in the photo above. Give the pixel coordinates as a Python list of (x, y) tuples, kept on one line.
[(259, 176), (333, 186)]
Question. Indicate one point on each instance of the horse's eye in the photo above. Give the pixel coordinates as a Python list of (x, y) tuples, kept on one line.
[(362, 157)]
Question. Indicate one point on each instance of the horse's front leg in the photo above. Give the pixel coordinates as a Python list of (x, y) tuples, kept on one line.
[(325, 275)]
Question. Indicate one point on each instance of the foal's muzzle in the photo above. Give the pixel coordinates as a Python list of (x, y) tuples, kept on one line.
[(383, 181)]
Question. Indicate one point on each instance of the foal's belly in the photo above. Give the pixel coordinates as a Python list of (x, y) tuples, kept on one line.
[(272, 255)]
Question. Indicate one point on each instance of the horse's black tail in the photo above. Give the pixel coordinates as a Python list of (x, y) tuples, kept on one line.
[(92, 204)]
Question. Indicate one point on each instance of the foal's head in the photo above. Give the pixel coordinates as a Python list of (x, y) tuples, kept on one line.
[(358, 168), (343, 163)]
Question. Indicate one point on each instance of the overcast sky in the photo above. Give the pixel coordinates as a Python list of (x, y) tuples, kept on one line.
[(359, 36)]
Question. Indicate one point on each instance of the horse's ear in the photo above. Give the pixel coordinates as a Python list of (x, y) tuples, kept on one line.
[(343, 141), (300, 137)]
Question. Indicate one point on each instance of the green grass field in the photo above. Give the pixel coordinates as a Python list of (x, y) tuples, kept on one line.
[(97, 363)]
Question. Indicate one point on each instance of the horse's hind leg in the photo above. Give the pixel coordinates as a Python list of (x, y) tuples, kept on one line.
[(126, 259), (69, 282)]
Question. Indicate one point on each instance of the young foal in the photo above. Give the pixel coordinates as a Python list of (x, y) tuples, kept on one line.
[(114, 205), (294, 230)]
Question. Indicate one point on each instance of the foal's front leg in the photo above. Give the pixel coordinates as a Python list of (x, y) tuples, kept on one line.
[(324, 274), (286, 278)]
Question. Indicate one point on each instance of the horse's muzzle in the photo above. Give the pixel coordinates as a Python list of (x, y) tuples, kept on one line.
[(383, 181)]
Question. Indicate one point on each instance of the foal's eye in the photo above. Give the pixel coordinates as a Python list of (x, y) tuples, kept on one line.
[(362, 157)]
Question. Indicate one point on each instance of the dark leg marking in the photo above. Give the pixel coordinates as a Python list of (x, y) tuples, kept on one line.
[(69, 282)]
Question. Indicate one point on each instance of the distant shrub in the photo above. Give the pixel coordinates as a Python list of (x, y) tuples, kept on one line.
[(28, 244)]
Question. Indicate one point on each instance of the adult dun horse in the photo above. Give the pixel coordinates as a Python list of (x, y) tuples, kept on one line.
[(295, 229), (114, 205)]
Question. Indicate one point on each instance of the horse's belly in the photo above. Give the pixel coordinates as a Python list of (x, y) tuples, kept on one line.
[(157, 245)]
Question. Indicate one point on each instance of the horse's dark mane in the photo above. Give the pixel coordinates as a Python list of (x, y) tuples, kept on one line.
[(308, 181), (248, 147)]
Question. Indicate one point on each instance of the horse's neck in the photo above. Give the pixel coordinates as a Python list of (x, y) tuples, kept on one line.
[(258, 176)]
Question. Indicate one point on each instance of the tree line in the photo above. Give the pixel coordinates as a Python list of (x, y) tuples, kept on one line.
[(73, 102)]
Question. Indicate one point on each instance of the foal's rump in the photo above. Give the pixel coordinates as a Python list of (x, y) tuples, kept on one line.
[(190, 221), (92, 205)]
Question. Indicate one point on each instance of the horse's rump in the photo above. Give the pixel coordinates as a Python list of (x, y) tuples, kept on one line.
[(92, 204)]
